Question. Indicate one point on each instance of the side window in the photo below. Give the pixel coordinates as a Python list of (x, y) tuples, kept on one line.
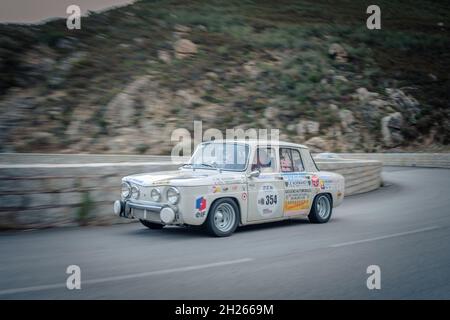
[(290, 160), (297, 160), (286, 160), (264, 160), (308, 160)]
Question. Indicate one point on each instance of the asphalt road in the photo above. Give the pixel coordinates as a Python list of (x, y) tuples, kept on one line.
[(403, 228)]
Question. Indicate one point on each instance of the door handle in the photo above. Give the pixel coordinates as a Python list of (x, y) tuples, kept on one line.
[(279, 178)]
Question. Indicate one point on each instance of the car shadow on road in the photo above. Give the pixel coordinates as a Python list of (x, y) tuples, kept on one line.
[(174, 232), (272, 225), (169, 232)]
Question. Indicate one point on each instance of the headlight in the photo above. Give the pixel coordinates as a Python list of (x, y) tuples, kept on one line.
[(126, 190), (155, 194), (173, 195), (135, 192)]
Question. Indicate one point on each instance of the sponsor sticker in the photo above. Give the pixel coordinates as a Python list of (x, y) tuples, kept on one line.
[(224, 188), (326, 183), (296, 202), (200, 205), (293, 180), (297, 193), (268, 200), (322, 184), (315, 181)]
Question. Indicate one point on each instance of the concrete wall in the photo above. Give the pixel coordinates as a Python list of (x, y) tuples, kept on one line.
[(360, 175), (432, 160)]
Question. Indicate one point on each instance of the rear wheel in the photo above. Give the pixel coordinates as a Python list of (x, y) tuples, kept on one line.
[(223, 218), (321, 209), (151, 225)]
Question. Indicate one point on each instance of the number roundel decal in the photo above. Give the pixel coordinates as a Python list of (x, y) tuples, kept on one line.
[(268, 200)]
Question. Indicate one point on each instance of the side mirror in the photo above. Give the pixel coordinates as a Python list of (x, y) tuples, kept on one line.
[(254, 174)]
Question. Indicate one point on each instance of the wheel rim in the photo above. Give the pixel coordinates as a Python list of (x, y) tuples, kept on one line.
[(323, 207), (224, 217)]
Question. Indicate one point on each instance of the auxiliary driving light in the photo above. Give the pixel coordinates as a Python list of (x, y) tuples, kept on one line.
[(118, 207), (167, 215)]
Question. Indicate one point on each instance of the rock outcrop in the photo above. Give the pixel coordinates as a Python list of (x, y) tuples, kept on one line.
[(391, 129), (184, 48)]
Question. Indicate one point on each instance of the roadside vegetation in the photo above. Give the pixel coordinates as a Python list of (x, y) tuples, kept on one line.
[(256, 64)]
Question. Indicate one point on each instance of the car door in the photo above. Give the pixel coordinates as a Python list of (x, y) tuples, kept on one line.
[(266, 191), (298, 185)]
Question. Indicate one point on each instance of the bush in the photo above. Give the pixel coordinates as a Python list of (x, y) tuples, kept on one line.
[(84, 209)]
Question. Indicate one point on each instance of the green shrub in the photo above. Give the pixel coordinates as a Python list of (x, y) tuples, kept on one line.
[(85, 208)]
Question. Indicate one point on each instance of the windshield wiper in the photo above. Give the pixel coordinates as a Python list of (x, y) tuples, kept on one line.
[(194, 165), (207, 165)]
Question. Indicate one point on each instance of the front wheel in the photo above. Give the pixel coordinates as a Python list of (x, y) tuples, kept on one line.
[(151, 225), (223, 218), (321, 209)]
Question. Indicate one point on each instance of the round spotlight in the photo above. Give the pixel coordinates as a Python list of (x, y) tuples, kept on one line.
[(118, 207), (167, 215)]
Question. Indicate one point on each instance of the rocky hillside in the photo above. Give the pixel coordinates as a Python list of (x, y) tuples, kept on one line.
[(132, 75)]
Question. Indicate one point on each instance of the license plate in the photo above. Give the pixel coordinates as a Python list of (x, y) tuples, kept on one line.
[(145, 215), (140, 214)]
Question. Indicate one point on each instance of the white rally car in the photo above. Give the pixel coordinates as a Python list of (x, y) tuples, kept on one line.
[(227, 184)]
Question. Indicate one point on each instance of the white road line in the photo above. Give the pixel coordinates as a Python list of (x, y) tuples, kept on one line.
[(349, 243), (124, 277)]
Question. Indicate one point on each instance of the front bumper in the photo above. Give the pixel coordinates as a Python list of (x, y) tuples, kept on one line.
[(156, 213)]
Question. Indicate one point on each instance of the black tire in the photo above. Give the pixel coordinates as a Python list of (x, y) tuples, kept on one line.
[(224, 206), (151, 225), (316, 215)]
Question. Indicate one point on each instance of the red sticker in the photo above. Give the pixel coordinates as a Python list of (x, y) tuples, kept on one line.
[(315, 181)]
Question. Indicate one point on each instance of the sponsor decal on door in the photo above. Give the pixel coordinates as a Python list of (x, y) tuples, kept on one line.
[(268, 200), (297, 193)]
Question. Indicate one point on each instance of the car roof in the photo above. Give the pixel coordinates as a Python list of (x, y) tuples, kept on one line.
[(254, 142)]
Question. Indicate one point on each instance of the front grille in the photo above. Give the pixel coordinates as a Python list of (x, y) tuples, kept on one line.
[(145, 215)]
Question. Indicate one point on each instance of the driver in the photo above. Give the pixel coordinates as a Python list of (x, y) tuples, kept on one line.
[(263, 161)]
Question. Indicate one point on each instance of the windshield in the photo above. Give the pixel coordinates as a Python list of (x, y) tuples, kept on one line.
[(225, 156)]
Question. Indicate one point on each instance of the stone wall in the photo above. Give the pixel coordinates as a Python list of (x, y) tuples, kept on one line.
[(63, 195)]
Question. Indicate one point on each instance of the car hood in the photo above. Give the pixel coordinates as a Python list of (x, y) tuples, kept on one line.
[(186, 177)]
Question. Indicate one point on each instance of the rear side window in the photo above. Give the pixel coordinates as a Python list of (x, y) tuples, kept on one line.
[(297, 161), (308, 160), (290, 160)]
